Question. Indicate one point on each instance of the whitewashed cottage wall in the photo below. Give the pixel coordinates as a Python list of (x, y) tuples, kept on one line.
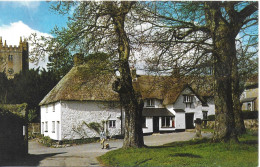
[(149, 125), (51, 115), (74, 113)]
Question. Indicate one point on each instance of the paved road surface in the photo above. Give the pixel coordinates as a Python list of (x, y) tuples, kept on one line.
[(85, 155)]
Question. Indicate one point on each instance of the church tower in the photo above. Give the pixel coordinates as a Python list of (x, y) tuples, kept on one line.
[(14, 59)]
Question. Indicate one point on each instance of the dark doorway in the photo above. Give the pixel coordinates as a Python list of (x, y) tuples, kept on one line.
[(155, 124), (189, 117)]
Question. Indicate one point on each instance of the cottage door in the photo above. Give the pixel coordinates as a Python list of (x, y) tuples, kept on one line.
[(189, 118), (155, 124)]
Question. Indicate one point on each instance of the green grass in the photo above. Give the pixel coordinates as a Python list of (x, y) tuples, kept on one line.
[(190, 153)]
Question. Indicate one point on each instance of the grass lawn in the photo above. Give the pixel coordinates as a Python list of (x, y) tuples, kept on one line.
[(190, 153)]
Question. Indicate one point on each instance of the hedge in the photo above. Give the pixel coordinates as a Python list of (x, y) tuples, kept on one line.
[(246, 115)]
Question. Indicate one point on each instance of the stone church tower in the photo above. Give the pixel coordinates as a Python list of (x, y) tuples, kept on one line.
[(14, 59)]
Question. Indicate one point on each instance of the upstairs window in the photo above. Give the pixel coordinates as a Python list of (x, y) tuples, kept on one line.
[(187, 98), (205, 114), (53, 107), (150, 103)]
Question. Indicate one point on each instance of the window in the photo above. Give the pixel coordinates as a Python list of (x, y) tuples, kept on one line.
[(53, 127), (42, 127), (46, 126), (150, 103), (112, 123), (10, 58), (143, 122), (53, 107), (249, 107), (187, 98), (166, 121), (205, 114), (46, 108)]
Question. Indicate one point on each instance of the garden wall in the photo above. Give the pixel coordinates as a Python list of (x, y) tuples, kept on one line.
[(13, 132)]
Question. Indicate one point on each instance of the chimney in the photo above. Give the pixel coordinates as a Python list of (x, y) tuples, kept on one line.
[(78, 59)]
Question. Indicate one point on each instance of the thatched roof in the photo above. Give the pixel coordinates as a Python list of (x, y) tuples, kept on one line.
[(81, 84), (165, 88)]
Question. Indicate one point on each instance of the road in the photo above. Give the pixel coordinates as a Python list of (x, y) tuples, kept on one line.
[(85, 155)]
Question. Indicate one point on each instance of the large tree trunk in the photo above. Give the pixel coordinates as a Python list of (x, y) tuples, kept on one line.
[(131, 103), (223, 39), (239, 121), (224, 123)]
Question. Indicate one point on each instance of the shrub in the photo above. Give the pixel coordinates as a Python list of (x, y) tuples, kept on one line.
[(250, 114), (47, 141), (211, 118)]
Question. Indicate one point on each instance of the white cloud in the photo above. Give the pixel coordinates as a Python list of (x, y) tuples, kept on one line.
[(12, 33)]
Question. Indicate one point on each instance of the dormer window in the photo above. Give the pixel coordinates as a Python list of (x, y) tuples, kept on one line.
[(150, 103), (187, 98)]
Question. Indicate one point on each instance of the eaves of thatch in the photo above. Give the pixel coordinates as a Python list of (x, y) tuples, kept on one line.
[(82, 84)]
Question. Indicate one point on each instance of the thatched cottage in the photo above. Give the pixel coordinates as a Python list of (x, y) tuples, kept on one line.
[(82, 102)]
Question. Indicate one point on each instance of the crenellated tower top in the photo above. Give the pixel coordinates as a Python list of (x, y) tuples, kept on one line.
[(23, 45), (14, 59)]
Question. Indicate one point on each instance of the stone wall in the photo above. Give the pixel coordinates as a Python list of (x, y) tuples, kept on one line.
[(249, 124), (75, 114), (13, 135)]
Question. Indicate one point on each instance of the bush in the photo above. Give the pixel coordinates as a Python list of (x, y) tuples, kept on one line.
[(81, 141), (250, 114), (47, 141), (211, 118)]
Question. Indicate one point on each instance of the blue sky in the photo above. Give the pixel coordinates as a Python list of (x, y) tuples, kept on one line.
[(22, 18), (36, 14)]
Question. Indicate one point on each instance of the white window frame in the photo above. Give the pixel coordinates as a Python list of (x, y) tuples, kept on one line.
[(188, 98), (164, 120), (150, 103), (42, 127), (206, 114), (112, 123), (53, 126)]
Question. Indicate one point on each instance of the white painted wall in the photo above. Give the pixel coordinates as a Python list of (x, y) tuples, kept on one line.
[(180, 120), (50, 113), (74, 113), (149, 125), (196, 108)]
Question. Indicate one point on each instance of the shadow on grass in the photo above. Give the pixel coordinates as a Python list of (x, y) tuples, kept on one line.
[(182, 143), (250, 142), (29, 160)]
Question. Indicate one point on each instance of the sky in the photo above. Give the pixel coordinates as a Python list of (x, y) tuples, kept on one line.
[(21, 18)]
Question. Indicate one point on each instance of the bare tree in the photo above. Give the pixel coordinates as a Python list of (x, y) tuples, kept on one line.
[(100, 27), (207, 32)]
